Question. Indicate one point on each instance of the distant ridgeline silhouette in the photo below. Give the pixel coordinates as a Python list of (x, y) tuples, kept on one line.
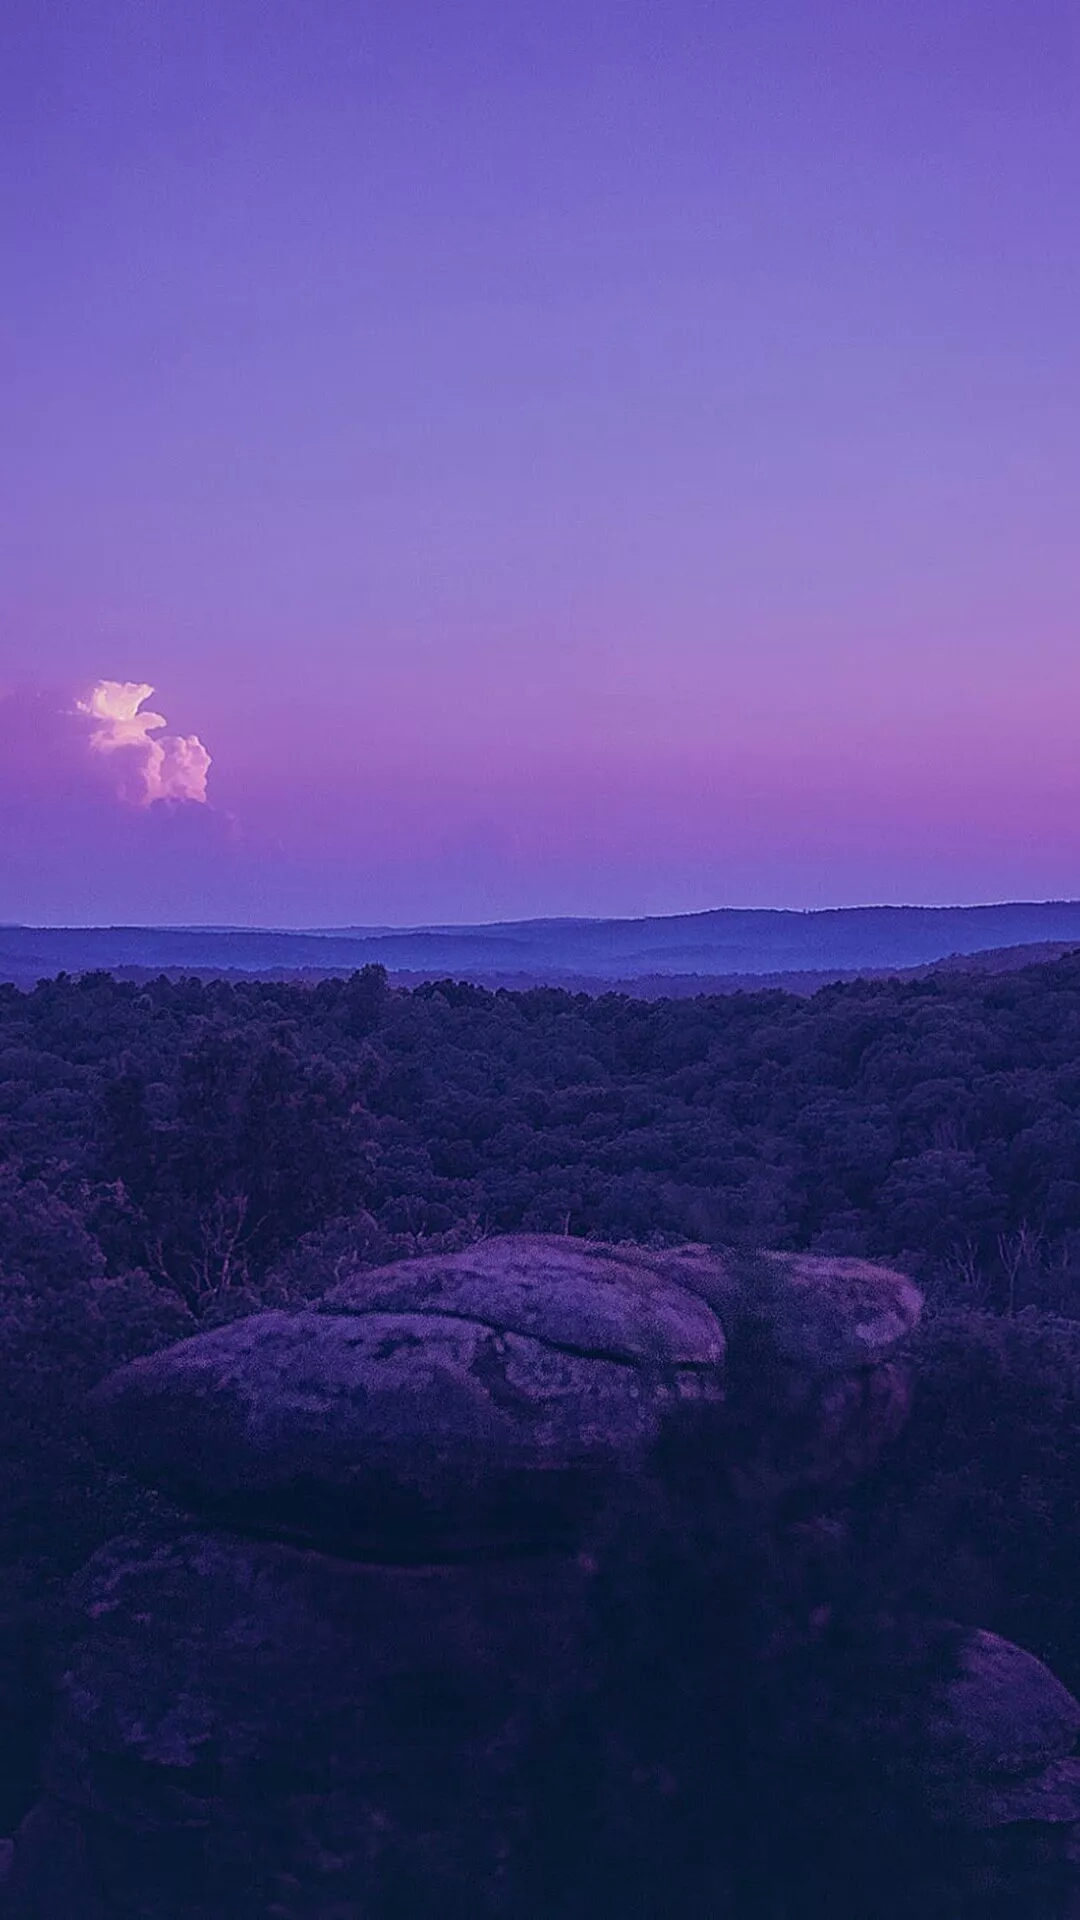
[(715, 950)]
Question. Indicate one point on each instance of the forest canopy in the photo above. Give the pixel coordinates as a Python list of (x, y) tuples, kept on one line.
[(215, 1134)]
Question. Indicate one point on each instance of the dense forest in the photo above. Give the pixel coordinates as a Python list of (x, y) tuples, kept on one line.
[(222, 1137), (175, 1153)]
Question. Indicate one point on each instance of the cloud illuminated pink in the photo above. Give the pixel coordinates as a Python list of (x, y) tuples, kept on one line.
[(173, 767), (93, 784)]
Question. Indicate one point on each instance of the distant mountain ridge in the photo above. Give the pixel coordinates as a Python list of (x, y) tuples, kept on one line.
[(724, 942)]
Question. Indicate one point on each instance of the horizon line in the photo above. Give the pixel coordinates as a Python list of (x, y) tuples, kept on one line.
[(356, 931)]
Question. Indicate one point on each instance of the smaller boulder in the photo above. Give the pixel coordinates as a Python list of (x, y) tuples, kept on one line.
[(822, 1313), (1003, 1739), (1004, 1712)]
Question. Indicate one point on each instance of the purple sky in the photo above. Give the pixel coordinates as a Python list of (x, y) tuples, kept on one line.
[(579, 457)]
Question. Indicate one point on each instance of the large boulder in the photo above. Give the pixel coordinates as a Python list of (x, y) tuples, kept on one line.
[(479, 1400)]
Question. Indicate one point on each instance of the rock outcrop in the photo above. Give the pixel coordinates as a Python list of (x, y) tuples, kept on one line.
[(482, 1400), (317, 1699)]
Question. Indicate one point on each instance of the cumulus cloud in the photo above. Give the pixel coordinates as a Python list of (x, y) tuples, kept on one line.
[(149, 763), (104, 813)]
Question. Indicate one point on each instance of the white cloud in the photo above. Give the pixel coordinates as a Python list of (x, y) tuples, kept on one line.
[(173, 766)]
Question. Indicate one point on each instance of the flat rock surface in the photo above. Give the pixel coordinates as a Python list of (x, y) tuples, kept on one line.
[(614, 1303)]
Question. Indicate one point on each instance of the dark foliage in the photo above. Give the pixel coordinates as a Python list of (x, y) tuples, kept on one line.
[(200, 1130)]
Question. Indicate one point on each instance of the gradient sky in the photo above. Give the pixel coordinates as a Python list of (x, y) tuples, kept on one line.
[(579, 457)]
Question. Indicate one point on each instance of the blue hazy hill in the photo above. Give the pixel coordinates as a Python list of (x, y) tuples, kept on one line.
[(726, 941)]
